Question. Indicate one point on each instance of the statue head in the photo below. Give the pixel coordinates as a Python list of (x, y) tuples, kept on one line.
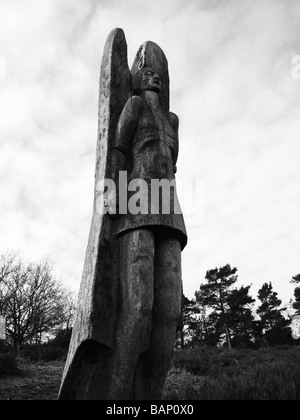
[(150, 72), (146, 79)]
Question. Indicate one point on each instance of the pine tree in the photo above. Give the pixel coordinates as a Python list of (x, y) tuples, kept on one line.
[(215, 293), (198, 327), (296, 279), (273, 322), (269, 310), (296, 303), (189, 323), (241, 319)]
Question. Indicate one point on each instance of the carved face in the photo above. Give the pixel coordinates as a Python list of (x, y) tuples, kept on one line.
[(150, 80)]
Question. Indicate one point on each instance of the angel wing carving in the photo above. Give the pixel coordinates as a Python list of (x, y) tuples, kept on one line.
[(92, 342), (95, 365)]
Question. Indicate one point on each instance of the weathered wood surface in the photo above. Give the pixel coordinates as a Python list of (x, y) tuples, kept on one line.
[(131, 290), (93, 335)]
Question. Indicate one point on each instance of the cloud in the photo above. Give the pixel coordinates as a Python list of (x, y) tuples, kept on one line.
[(231, 85)]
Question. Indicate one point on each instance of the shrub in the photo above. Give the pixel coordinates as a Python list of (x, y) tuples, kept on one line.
[(8, 364), (181, 385), (51, 353), (196, 360), (44, 353), (30, 353), (275, 381), (219, 374)]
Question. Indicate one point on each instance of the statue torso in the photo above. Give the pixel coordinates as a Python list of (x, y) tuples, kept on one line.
[(151, 155), (153, 148)]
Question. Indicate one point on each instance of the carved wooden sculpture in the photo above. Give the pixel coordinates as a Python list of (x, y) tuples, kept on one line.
[(131, 290)]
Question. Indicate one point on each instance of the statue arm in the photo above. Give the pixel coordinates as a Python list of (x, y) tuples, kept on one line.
[(174, 121), (125, 132), (127, 124), (126, 129)]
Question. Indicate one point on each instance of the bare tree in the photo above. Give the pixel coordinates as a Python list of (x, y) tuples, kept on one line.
[(32, 299), (7, 264), (70, 306)]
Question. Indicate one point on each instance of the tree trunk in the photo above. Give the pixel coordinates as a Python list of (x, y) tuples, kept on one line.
[(17, 346), (228, 338), (182, 338)]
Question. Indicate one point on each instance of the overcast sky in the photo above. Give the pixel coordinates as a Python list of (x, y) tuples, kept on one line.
[(239, 109)]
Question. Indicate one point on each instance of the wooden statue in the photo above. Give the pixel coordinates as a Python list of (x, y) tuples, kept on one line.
[(131, 292)]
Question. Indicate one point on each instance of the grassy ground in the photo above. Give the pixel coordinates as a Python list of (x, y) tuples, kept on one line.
[(197, 374), (33, 381), (212, 374)]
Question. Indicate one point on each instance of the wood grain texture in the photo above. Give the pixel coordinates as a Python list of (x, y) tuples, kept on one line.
[(98, 297), (131, 290)]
